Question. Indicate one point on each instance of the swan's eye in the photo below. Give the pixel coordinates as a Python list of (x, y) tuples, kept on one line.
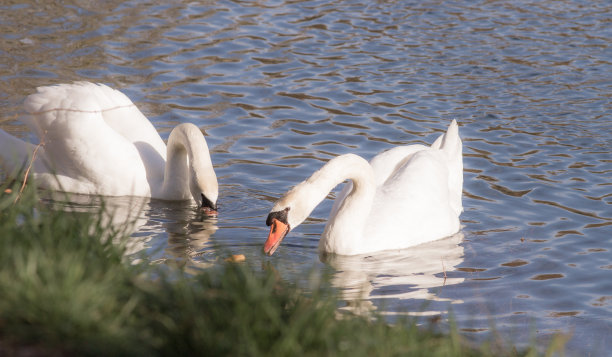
[(280, 215)]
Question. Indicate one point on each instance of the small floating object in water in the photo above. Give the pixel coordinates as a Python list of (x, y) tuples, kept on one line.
[(8, 191), (236, 258)]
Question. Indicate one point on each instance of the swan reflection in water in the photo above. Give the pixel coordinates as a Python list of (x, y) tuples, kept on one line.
[(413, 273), (158, 231), (164, 232)]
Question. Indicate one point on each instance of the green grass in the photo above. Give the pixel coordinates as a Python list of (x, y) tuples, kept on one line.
[(64, 290)]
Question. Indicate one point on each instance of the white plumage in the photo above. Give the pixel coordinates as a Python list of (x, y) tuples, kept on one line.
[(405, 196), (94, 140)]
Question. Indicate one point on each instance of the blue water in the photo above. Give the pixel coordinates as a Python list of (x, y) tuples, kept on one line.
[(280, 87)]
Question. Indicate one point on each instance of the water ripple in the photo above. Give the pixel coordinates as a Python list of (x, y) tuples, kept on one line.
[(280, 87)]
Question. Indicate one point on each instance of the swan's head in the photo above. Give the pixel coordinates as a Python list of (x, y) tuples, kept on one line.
[(205, 190), (207, 206), (279, 227), (288, 212)]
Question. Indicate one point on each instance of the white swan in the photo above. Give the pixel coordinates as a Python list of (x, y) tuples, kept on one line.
[(94, 140), (405, 196)]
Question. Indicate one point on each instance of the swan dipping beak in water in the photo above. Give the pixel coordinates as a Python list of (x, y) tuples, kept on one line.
[(279, 227), (403, 197), (94, 140)]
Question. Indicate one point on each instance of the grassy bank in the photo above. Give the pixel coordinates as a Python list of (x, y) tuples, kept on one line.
[(65, 291)]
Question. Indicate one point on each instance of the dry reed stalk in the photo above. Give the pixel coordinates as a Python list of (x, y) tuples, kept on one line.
[(27, 172)]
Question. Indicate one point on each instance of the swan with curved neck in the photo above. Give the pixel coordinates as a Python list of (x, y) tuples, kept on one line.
[(94, 140), (405, 196), (188, 170)]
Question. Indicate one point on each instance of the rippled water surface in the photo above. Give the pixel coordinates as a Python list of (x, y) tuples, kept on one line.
[(280, 87)]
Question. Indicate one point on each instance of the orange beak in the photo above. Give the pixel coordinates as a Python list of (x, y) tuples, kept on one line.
[(209, 212), (278, 231)]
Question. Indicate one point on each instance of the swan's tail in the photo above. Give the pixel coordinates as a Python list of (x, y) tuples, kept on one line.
[(450, 143)]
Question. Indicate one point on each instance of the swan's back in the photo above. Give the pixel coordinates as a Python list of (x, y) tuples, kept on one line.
[(95, 141), (418, 194), (51, 103)]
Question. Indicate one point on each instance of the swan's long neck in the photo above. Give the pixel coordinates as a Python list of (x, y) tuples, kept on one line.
[(187, 155), (345, 228)]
